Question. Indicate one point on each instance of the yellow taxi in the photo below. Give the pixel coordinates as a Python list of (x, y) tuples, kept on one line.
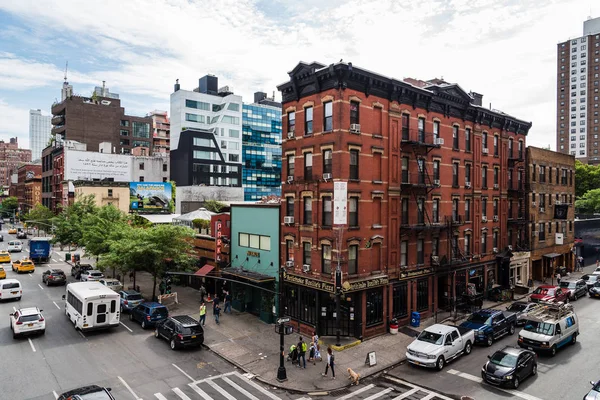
[(12, 231), (2, 273), (5, 256), (23, 265)]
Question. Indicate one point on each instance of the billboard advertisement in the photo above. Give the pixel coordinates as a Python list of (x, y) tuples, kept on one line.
[(88, 165), (150, 197)]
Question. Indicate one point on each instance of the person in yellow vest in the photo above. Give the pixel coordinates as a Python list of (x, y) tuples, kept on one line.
[(202, 313)]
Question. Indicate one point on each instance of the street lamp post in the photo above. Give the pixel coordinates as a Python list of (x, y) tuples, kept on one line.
[(338, 293), (281, 372)]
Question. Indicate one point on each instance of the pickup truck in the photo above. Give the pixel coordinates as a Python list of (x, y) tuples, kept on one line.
[(438, 344), (491, 324)]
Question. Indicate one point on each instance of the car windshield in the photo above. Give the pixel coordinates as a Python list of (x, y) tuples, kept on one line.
[(503, 359), (586, 277), (431, 337), (26, 263), (134, 297), (544, 291), (29, 318), (57, 273), (191, 330), (100, 395), (479, 319), (568, 285), (517, 307), (112, 283), (162, 312), (540, 327), (597, 284)]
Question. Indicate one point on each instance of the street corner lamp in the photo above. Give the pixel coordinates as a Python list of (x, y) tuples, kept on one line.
[(281, 372), (338, 293)]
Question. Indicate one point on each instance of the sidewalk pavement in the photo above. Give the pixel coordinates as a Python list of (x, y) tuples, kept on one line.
[(253, 345)]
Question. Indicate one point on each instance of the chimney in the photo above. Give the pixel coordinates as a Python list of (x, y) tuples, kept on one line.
[(177, 85), (103, 89), (477, 98)]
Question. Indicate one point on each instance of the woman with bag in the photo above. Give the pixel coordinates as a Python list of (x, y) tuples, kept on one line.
[(330, 362)]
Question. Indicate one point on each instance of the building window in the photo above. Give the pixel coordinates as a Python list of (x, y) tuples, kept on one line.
[(306, 253), (141, 179), (436, 130), (124, 122), (327, 161), (327, 211), (110, 193), (291, 163), (405, 127), (308, 164), (124, 132), (484, 207), (542, 174), (374, 307), (542, 231), (420, 211), (141, 166), (436, 170), (328, 116), (291, 121), (467, 209), (352, 259), (421, 130), (435, 245), (467, 248), (455, 210), (404, 215), (496, 145), (421, 251), (467, 173), (436, 211), (484, 140), (140, 129), (468, 139), (307, 200), (165, 167), (484, 177), (308, 121), (289, 250), (404, 253), (354, 164), (326, 259), (455, 174), (455, 137), (194, 118), (399, 300), (422, 295), (353, 211), (354, 113), (484, 242), (289, 207), (496, 174)]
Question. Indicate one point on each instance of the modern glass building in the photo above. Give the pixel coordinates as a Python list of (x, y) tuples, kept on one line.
[(261, 148)]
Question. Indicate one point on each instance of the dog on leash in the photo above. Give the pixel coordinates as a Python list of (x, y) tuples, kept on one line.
[(353, 376)]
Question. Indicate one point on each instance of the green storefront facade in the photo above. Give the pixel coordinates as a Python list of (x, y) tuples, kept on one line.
[(254, 270)]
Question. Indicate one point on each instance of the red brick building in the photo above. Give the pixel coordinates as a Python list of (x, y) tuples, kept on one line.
[(29, 186), (11, 158), (428, 171)]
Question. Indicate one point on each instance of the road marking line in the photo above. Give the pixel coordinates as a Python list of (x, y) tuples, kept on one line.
[(57, 306), (40, 286), (129, 388), (258, 387), (363, 389), (126, 327), (82, 335), (416, 388), (14, 308), (55, 394), (31, 344), (509, 391), (220, 390), (217, 376), (54, 260), (376, 395), (160, 396), (239, 388), (183, 372), (429, 396), (201, 392), (406, 394), (182, 395)]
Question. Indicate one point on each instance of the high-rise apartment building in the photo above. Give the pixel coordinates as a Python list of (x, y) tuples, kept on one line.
[(577, 100), (161, 132), (261, 148), (39, 132), (11, 158)]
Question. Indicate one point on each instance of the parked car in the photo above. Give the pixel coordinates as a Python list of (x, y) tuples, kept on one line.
[(577, 287), (594, 393), (2, 273), (91, 275), (521, 308), (180, 331), (4, 256), (54, 277), (130, 299), (15, 246), (595, 290), (550, 293), (113, 284), (509, 366), (27, 321), (596, 271), (551, 328), (490, 324), (24, 265), (590, 280), (77, 269), (1, 238), (87, 392), (439, 344), (21, 234), (149, 314)]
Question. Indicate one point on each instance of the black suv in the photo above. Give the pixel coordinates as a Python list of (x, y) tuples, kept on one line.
[(54, 277), (77, 269), (87, 392), (180, 331)]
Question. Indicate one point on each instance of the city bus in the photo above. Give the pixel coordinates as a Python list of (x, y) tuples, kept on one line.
[(91, 305)]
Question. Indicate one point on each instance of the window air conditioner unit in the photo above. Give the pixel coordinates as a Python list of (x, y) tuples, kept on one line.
[(306, 268), (495, 186), (533, 204), (289, 264), (354, 128), (326, 176), (290, 179), (510, 247), (288, 220), (542, 209), (495, 218), (435, 259), (557, 203), (483, 219), (436, 182), (438, 141), (485, 150), (290, 135), (534, 233), (468, 185), (495, 250)]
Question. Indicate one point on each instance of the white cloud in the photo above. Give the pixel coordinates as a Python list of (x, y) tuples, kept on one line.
[(15, 124), (503, 49)]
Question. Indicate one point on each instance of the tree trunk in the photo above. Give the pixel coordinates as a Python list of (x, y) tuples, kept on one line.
[(154, 286), (134, 280)]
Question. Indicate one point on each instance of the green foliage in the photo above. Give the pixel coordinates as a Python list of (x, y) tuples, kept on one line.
[(587, 177), (107, 223), (200, 224), (10, 204), (172, 203), (138, 221), (39, 216), (589, 203), (214, 206), (70, 222)]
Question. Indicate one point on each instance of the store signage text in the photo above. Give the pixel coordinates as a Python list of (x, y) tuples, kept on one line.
[(415, 273)]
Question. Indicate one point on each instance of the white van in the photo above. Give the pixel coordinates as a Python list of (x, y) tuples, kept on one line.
[(15, 245), (10, 289), (91, 305), (549, 327)]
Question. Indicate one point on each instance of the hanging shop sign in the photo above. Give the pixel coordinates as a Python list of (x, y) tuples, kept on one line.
[(219, 243), (348, 286), (253, 254)]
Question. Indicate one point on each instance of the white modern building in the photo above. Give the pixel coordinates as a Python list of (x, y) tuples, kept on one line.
[(39, 132), (578, 126)]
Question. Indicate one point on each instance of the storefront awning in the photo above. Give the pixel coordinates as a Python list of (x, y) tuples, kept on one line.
[(552, 255), (204, 270), (248, 275)]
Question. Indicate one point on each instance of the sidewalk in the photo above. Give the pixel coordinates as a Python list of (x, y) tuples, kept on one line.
[(253, 346)]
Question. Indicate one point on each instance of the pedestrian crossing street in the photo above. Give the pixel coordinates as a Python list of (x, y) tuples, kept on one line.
[(238, 386)]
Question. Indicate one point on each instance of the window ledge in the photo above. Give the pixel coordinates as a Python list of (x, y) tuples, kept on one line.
[(377, 136), (326, 132), (455, 186), (326, 227), (353, 228), (377, 182), (308, 134), (376, 226), (354, 180), (455, 149)]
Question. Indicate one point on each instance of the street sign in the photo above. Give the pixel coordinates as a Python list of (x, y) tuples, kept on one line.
[(283, 320)]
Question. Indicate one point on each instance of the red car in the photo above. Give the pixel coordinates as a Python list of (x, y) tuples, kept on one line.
[(550, 293)]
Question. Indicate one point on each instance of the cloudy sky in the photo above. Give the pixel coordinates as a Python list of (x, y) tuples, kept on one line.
[(505, 49)]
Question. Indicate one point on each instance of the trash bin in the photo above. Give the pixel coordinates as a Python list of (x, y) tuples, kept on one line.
[(68, 257), (394, 326), (415, 319)]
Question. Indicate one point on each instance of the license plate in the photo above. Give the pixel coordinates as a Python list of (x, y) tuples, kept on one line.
[(29, 324), (14, 292), (193, 337), (418, 363)]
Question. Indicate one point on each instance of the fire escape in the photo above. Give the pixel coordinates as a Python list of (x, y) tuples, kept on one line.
[(517, 200)]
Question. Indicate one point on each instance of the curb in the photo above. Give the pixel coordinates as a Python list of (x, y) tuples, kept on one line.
[(345, 346)]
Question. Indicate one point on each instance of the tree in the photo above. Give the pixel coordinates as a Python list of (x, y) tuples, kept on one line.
[(39, 216), (214, 205), (69, 224), (589, 203), (174, 195), (200, 224), (101, 226), (587, 177), (10, 204)]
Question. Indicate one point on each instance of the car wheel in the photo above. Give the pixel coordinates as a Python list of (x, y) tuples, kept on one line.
[(468, 348), (567, 300), (43, 331), (143, 324), (47, 282), (440, 363), (15, 335), (515, 382), (574, 338), (156, 334), (511, 330), (553, 351), (574, 297), (131, 317), (19, 298), (534, 370), (174, 345), (490, 340)]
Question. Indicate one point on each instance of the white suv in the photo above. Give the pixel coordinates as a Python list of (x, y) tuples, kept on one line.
[(15, 246), (92, 275), (27, 321)]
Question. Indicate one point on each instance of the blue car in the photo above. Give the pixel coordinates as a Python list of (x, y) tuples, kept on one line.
[(130, 299), (149, 314), (490, 325)]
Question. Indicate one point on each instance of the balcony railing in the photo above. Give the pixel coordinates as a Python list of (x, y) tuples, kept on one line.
[(418, 137), (418, 179)]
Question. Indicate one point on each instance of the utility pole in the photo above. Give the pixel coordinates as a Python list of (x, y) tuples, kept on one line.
[(281, 372)]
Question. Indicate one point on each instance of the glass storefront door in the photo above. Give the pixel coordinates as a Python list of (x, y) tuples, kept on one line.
[(349, 314)]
